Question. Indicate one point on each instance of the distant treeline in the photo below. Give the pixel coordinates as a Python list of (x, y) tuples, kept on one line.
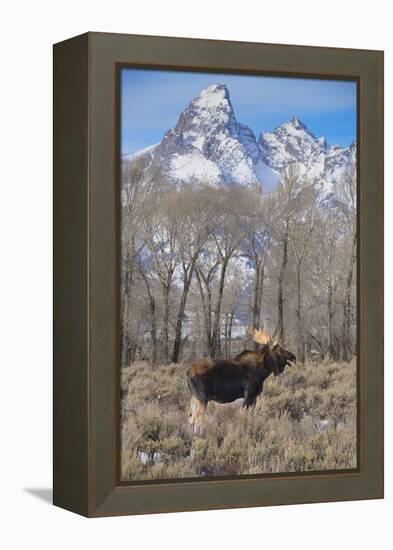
[(199, 261)]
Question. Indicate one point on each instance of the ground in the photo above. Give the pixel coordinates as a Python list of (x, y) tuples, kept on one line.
[(304, 420)]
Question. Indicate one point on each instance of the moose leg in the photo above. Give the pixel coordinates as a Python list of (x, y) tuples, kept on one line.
[(251, 392), (198, 409), (193, 410), (250, 398), (249, 402)]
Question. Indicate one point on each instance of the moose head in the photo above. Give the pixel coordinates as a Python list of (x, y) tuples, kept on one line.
[(276, 357)]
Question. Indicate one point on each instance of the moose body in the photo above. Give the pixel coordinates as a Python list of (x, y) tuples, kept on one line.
[(225, 381)]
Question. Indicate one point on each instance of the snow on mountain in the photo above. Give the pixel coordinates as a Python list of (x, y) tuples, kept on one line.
[(209, 145), (290, 142), (318, 163), (146, 152)]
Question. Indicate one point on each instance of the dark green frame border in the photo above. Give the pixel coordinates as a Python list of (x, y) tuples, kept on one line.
[(85, 266)]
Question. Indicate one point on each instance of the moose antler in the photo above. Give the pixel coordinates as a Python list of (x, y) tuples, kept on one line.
[(276, 336), (261, 337)]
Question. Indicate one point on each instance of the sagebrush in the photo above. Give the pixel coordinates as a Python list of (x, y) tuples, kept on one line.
[(305, 420)]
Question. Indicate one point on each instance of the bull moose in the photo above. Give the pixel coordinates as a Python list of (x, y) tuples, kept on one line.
[(243, 376)]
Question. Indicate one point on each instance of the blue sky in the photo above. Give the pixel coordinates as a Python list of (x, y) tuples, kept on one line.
[(152, 100)]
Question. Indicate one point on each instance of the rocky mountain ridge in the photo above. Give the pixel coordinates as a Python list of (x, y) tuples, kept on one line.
[(208, 144)]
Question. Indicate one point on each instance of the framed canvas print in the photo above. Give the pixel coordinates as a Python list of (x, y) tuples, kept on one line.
[(218, 274)]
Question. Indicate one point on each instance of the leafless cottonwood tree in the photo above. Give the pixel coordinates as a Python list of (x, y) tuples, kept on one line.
[(131, 206), (194, 213), (227, 237), (286, 204), (326, 269), (300, 233), (160, 227), (346, 192), (256, 239), (231, 307), (203, 262), (153, 314), (205, 274)]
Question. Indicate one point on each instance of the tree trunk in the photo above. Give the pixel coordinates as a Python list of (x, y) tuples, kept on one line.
[(230, 333), (217, 313), (226, 354), (218, 348), (330, 321), (300, 337), (258, 292), (153, 322), (181, 313), (261, 284), (125, 337), (207, 309), (256, 314), (280, 297), (347, 306), (133, 345), (318, 343), (165, 323), (153, 332)]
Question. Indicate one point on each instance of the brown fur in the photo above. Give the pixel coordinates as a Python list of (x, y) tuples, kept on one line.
[(225, 381), (201, 367), (250, 358)]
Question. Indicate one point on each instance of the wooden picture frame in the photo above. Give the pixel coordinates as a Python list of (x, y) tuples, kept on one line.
[(86, 271)]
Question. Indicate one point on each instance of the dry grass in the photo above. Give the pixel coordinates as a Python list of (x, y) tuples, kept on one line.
[(304, 420)]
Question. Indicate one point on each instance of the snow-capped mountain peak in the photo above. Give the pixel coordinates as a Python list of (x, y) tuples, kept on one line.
[(209, 145), (290, 142), (297, 124), (214, 97), (293, 142)]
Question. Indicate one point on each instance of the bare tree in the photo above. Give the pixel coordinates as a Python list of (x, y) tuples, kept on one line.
[(153, 318), (300, 233), (161, 238), (205, 273), (325, 273), (346, 193), (131, 207), (227, 237), (198, 261), (286, 204), (232, 302), (194, 213), (257, 231)]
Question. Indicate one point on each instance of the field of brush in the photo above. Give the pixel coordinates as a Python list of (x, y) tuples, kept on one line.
[(304, 420)]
